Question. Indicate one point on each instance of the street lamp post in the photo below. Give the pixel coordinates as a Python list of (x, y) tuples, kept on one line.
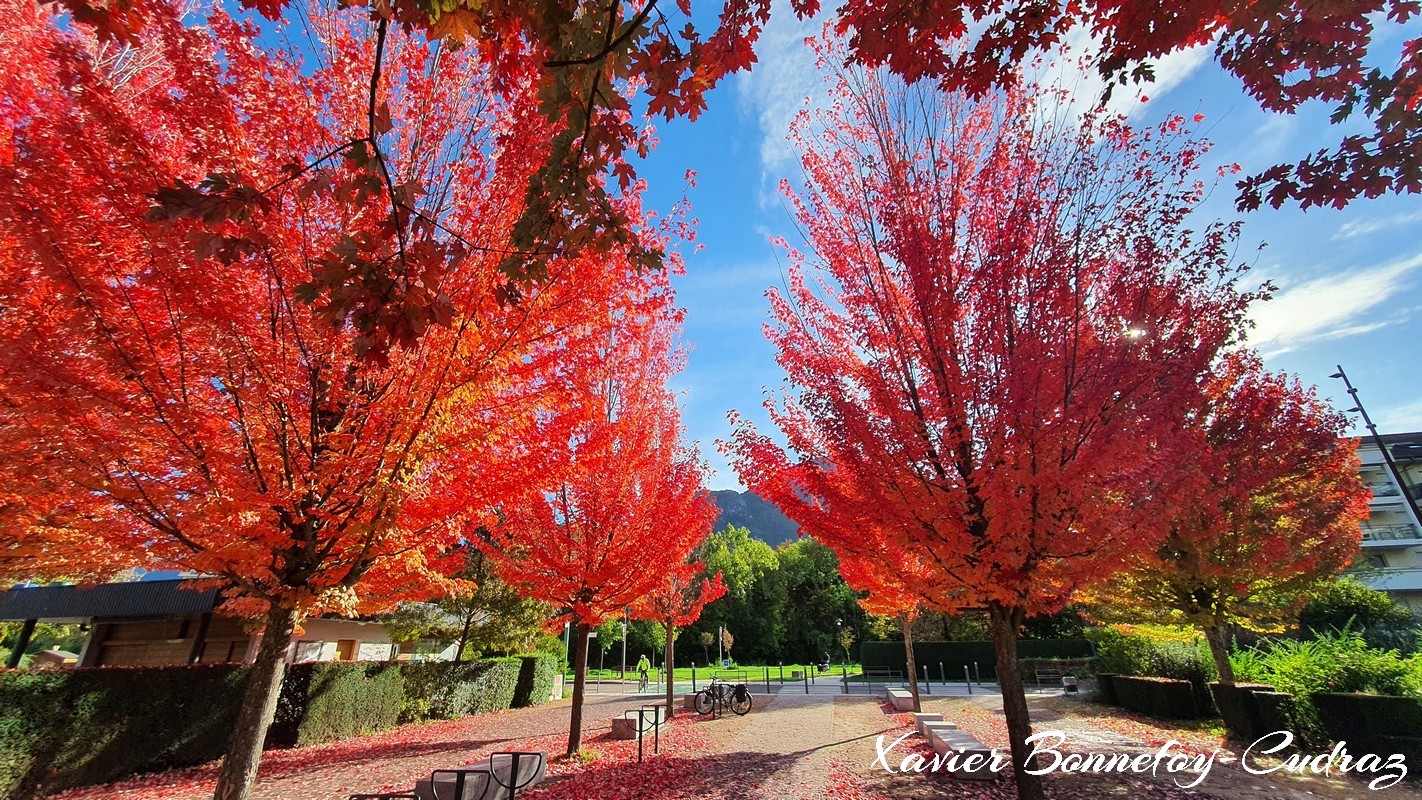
[(1377, 439)]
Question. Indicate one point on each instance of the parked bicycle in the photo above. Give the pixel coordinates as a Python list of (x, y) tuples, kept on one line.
[(719, 695)]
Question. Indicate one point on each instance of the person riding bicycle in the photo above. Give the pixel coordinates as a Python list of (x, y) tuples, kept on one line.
[(644, 667)]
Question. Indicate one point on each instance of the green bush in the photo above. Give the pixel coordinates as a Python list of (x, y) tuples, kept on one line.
[(326, 702), (444, 690), (1339, 662), (78, 727), (1139, 653), (1349, 605), (535, 680)]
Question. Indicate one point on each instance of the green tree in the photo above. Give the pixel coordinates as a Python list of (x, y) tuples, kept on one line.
[(755, 593), (490, 617), (1349, 604), (818, 603)]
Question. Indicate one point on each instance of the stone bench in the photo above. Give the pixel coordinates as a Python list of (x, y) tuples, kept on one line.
[(946, 740), (486, 779), (940, 725), (920, 717), (901, 698)]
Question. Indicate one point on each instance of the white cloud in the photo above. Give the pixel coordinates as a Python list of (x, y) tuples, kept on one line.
[(1330, 307), (1406, 417), (778, 87), (1070, 71), (1364, 227)]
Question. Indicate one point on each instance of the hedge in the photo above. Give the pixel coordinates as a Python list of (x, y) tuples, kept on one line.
[(535, 680), (1158, 697), (326, 702), (70, 728), (954, 655)]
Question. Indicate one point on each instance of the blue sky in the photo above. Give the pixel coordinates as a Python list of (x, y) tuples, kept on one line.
[(1349, 282)]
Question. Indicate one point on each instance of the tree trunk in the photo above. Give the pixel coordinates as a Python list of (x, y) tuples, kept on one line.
[(244, 753), (1004, 622), (671, 670), (463, 637), (1219, 648), (580, 675), (912, 665)]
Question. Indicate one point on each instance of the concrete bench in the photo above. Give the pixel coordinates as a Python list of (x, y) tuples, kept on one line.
[(930, 727), (947, 741), (901, 698), (920, 717), (486, 779), (689, 700)]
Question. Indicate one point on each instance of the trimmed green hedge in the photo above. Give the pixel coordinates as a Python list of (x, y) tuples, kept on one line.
[(954, 655), (70, 728), (327, 702), (535, 680), (1158, 697)]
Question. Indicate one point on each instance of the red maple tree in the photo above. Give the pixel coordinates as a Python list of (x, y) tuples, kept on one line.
[(183, 391), (676, 603), (1269, 503), (628, 504), (1002, 320)]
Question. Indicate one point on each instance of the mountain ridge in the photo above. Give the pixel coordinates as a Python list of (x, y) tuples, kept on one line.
[(754, 513)]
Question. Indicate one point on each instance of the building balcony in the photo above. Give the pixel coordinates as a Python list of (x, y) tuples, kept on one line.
[(1408, 579), (1391, 535)]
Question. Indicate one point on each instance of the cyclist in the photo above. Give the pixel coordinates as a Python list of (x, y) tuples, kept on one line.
[(644, 667)]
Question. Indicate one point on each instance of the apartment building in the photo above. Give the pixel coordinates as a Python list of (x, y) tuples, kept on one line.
[(1391, 558)]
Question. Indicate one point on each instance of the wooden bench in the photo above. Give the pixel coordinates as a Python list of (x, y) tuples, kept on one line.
[(1044, 674), (498, 776)]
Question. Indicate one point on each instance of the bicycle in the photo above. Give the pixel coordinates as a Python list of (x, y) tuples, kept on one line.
[(642, 681), (719, 695)]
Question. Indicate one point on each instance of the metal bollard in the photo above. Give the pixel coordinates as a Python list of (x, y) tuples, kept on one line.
[(928, 687), (844, 677), (977, 673), (806, 674), (782, 673), (967, 678), (767, 680), (693, 677), (942, 676)]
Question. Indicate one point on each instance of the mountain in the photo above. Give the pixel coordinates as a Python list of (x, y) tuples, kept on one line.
[(759, 516)]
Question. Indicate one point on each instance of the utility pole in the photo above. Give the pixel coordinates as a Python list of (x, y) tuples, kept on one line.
[(720, 631), (1377, 439)]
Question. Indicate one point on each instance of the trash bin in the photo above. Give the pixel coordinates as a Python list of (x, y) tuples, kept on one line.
[(1069, 684)]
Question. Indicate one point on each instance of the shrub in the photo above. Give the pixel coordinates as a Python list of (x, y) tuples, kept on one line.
[(78, 727), (535, 680), (1333, 662), (444, 690), (325, 702), (1350, 605), (1158, 653)]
